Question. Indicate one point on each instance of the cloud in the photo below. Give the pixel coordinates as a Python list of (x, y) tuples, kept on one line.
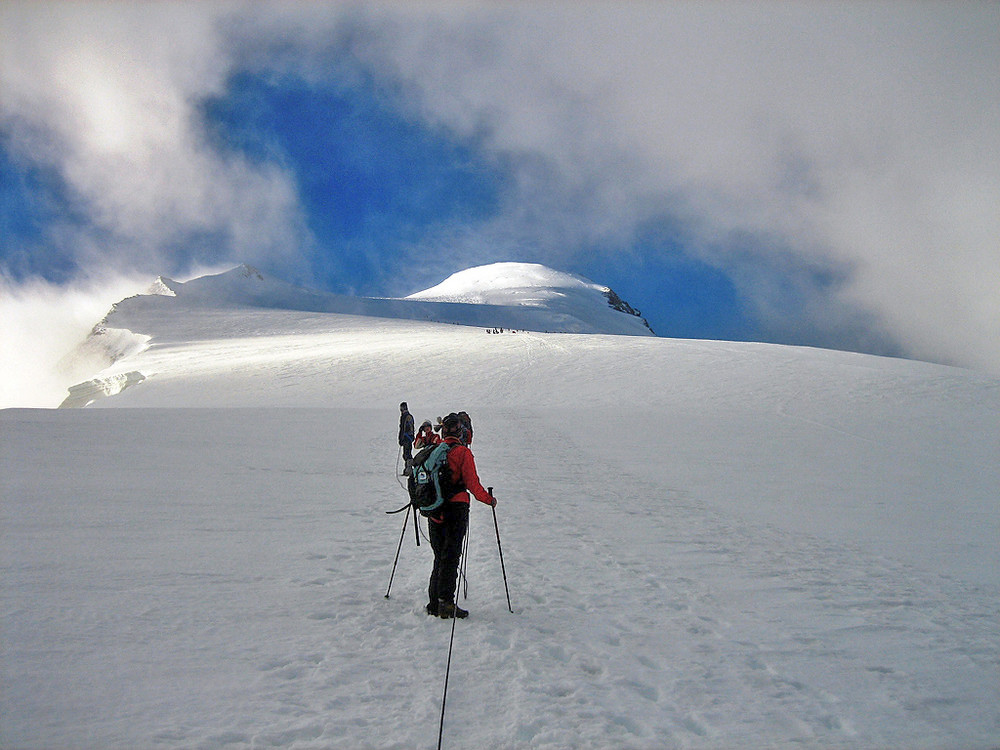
[(852, 142), (860, 138), (107, 95)]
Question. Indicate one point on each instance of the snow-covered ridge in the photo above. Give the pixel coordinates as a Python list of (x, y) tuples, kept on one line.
[(524, 284), (510, 296), (505, 284), (100, 350), (504, 295)]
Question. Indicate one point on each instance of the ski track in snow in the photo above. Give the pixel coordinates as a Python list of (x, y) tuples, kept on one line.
[(234, 598), (661, 571)]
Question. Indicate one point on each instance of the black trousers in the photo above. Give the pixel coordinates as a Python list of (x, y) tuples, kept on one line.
[(446, 541)]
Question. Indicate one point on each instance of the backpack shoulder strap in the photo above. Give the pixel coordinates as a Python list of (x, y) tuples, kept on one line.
[(439, 463)]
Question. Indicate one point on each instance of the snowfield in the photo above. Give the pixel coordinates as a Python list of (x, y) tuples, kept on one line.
[(707, 544)]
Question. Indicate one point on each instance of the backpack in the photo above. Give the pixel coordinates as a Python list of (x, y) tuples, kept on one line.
[(467, 421), (430, 482)]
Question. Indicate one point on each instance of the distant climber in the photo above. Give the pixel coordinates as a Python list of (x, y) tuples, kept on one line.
[(406, 436), (426, 435)]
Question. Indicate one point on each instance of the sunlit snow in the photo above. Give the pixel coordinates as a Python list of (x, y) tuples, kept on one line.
[(708, 544)]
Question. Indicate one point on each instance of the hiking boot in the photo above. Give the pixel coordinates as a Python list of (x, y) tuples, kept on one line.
[(432, 609), (447, 610)]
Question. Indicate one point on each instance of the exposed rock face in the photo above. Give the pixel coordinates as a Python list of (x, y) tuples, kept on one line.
[(622, 306)]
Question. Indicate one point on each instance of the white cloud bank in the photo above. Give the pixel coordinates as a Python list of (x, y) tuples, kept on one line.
[(865, 136), (858, 136), (107, 95)]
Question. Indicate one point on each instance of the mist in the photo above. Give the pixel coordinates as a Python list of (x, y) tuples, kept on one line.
[(42, 324)]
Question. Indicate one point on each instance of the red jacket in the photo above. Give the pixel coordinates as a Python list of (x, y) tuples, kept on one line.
[(463, 469), (426, 437)]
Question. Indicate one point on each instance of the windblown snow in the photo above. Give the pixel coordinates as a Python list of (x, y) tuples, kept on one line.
[(707, 544)]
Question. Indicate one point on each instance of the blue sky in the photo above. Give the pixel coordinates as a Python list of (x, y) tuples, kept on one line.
[(370, 180), (810, 174)]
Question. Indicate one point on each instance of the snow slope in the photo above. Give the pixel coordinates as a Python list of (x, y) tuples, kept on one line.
[(708, 545), (534, 285), (507, 297)]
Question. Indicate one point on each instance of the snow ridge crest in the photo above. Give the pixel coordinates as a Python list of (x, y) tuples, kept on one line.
[(526, 296), (524, 284)]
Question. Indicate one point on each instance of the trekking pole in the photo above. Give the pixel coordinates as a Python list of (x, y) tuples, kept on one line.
[(406, 519), (447, 673), (464, 579), (451, 645), (500, 550)]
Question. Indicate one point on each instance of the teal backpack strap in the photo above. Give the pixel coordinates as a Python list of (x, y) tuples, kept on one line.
[(435, 462)]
